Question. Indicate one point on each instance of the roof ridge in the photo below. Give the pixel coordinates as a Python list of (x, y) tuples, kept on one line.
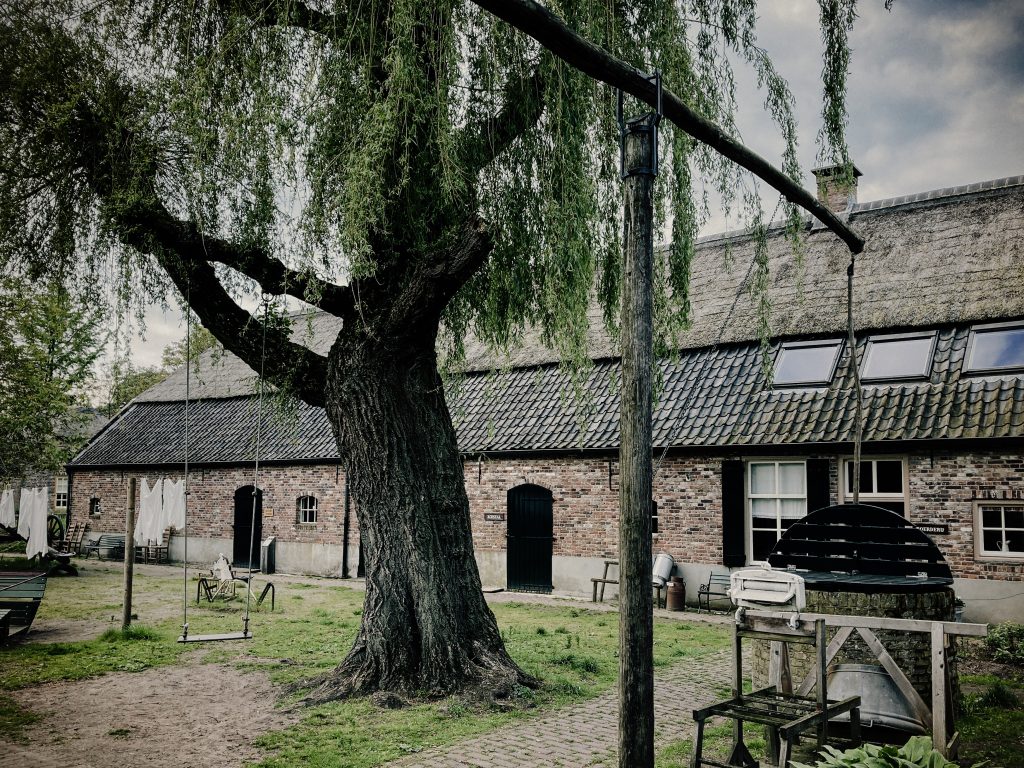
[(936, 194)]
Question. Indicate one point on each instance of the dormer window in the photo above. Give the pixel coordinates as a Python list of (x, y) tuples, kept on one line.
[(995, 348), (898, 357), (806, 363)]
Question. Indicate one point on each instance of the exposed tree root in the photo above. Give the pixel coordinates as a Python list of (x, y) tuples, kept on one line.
[(488, 677)]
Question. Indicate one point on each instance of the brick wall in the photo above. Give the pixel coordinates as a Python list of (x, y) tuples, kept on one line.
[(943, 489), (211, 505)]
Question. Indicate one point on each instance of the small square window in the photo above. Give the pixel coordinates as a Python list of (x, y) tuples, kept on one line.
[(995, 348), (95, 507), (881, 483), (902, 357), (308, 506), (1000, 531), (806, 363)]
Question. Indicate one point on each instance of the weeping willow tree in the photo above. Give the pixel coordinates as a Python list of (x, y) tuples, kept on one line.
[(421, 170)]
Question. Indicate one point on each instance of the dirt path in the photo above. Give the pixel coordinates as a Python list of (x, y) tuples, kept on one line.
[(191, 716)]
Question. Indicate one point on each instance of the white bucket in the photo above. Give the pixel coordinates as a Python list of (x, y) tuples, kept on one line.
[(663, 565)]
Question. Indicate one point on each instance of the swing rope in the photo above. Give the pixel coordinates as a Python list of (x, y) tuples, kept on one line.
[(858, 425), (256, 469), (245, 634)]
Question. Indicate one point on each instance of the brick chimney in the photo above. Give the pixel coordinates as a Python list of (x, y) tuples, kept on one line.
[(835, 191)]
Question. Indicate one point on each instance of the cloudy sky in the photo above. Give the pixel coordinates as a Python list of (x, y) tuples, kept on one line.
[(936, 99)]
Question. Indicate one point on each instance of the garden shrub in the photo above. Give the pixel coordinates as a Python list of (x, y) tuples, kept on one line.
[(916, 753), (1006, 643)]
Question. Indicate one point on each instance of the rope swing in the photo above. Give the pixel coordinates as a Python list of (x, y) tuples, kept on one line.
[(245, 634)]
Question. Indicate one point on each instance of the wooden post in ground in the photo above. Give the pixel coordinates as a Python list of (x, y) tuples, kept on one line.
[(129, 555), (636, 619)]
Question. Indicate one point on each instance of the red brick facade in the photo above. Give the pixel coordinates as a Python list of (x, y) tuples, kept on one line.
[(943, 488)]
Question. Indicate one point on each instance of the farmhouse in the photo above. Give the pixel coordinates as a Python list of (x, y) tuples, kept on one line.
[(742, 450)]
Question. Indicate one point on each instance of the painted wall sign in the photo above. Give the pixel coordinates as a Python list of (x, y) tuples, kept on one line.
[(494, 517), (940, 529)]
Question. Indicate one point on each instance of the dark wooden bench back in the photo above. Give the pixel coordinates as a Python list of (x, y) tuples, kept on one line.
[(859, 539), (20, 594)]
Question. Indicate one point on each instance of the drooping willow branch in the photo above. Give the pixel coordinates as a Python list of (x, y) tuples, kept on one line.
[(552, 33)]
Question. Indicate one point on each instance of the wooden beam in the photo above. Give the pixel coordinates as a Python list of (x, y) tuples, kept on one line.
[(876, 622), (908, 690), (550, 31), (830, 653), (939, 738)]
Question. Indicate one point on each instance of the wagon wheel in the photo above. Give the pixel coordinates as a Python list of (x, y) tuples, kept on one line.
[(54, 531)]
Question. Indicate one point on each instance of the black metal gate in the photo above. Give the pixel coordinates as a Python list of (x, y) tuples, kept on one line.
[(530, 528), (245, 522)]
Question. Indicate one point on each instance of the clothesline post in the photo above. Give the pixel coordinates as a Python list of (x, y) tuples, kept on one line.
[(129, 555)]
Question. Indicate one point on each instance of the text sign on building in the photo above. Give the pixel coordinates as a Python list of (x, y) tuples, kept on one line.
[(940, 529), (494, 517)]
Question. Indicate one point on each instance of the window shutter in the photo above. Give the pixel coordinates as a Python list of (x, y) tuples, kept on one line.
[(733, 514), (817, 484)]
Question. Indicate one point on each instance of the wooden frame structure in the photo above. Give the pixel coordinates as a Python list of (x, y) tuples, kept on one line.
[(939, 714), (787, 715)]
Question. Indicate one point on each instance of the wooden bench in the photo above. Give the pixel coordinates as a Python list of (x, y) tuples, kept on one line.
[(717, 586), (659, 601), (20, 595), (113, 543)]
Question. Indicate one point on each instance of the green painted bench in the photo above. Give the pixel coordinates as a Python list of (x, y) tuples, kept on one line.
[(111, 543), (20, 595)]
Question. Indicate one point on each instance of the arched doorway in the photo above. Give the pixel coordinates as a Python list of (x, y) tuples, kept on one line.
[(530, 536), (248, 527)]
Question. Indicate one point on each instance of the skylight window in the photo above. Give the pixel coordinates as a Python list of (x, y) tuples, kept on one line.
[(902, 357), (806, 363), (996, 348)]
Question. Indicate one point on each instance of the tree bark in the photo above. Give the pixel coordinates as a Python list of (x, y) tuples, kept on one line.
[(426, 629), (636, 618)]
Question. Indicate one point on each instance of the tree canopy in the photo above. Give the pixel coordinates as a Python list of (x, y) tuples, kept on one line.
[(49, 340), (297, 144)]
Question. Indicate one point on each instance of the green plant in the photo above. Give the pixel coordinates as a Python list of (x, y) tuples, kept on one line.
[(916, 753), (1006, 643), (999, 694)]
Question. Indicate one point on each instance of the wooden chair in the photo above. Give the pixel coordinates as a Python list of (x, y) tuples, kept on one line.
[(154, 551), (659, 600), (717, 586)]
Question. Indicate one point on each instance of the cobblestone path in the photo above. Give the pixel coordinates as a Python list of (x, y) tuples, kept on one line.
[(586, 735)]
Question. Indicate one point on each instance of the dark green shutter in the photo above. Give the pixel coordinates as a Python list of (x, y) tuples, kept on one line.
[(733, 514), (818, 484)]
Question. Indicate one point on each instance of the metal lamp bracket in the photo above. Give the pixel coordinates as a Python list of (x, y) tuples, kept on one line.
[(645, 124)]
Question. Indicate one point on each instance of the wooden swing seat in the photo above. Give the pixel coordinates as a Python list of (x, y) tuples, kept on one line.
[(215, 638)]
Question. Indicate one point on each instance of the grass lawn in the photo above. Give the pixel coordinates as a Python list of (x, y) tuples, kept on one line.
[(573, 650)]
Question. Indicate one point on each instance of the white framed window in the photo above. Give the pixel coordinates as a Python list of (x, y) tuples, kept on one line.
[(898, 357), (308, 507), (806, 363), (60, 494), (883, 483), (995, 348), (95, 507), (999, 530), (776, 498)]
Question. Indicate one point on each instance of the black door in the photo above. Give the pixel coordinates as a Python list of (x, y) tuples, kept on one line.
[(530, 525), (248, 527)]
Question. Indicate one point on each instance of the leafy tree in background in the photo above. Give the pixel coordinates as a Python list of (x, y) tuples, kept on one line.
[(457, 175), (49, 339)]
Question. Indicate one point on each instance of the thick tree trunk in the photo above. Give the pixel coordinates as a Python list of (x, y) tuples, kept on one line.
[(426, 629)]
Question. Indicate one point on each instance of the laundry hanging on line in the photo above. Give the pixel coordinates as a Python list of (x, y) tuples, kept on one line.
[(7, 517), (33, 510), (161, 506)]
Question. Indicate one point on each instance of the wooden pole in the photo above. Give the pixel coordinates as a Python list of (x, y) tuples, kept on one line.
[(129, 555), (636, 619)]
